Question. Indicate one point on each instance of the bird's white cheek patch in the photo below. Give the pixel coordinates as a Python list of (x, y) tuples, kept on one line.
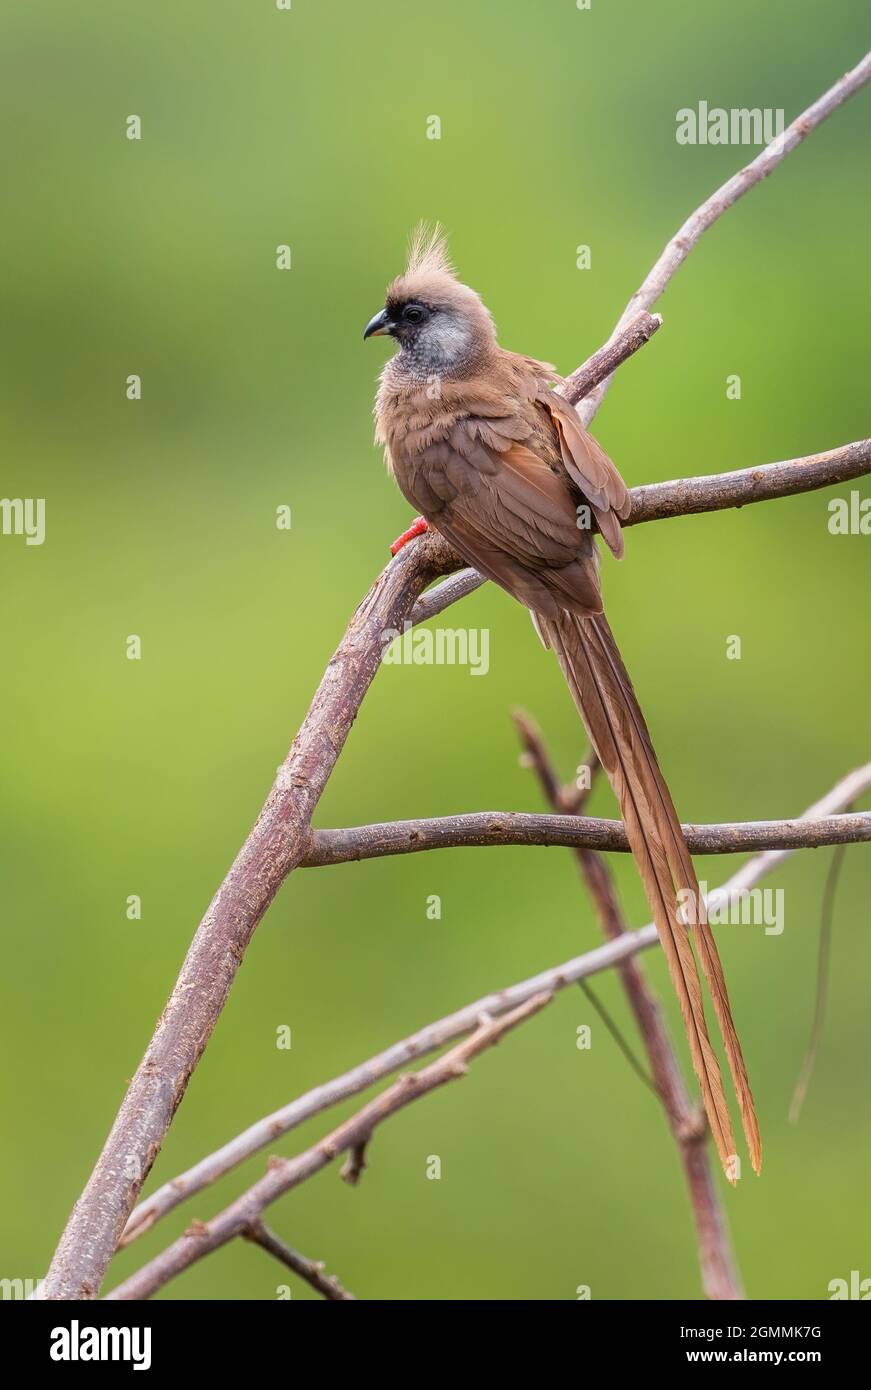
[(446, 341)]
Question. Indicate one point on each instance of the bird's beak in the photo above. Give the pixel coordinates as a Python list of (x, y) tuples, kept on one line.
[(382, 323)]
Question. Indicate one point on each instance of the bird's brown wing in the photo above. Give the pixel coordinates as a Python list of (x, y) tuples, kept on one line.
[(510, 512), (590, 469)]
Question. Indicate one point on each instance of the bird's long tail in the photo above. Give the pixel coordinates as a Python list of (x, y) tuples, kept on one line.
[(603, 693)]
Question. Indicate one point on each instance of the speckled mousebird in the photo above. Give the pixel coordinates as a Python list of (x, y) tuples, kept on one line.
[(499, 463)]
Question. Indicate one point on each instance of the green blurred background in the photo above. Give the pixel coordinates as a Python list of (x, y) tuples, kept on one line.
[(307, 127)]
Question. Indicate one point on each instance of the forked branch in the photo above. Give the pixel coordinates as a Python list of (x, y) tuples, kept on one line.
[(435, 1035), (286, 1173)]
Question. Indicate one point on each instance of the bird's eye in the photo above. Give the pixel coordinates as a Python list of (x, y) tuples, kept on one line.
[(413, 313)]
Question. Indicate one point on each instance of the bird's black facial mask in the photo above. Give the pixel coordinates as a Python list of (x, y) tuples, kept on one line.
[(401, 321), (409, 318)]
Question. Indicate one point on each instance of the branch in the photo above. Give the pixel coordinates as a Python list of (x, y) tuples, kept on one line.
[(489, 828), (435, 1035), (312, 1271), (715, 492), (707, 213), (355, 1164), (637, 331), (286, 1173), (720, 1278), (824, 949)]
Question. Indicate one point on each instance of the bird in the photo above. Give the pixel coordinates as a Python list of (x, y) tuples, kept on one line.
[(483, 446)]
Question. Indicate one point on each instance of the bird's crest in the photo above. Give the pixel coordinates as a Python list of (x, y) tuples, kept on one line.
[(428, 251), (429, 274)]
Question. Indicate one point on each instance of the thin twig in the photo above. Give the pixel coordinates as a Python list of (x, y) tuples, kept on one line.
[(476, 829), (726, 196), (613, 1028), (286, 1173), (312, 1271), (429, 1039), (720, 1279), (823, 956), (355, 1164), (634, 334)]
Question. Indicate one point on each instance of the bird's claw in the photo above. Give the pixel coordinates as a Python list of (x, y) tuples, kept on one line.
[(417, 528)]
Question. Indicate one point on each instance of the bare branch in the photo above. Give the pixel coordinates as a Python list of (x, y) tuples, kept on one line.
[(435, 1035), (715, 492), (824, 950), (725, 197), (687, 1123), (637, 331), (355, 1164), (489, 828), (442, 595), (312, 1271), (286, 1173)]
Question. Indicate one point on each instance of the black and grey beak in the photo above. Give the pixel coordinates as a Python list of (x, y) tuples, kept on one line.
[(382, 323)]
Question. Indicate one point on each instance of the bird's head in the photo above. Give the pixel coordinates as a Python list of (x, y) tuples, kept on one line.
[(441, 326)]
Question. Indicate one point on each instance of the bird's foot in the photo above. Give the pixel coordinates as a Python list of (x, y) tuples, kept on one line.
[(417, 528)]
